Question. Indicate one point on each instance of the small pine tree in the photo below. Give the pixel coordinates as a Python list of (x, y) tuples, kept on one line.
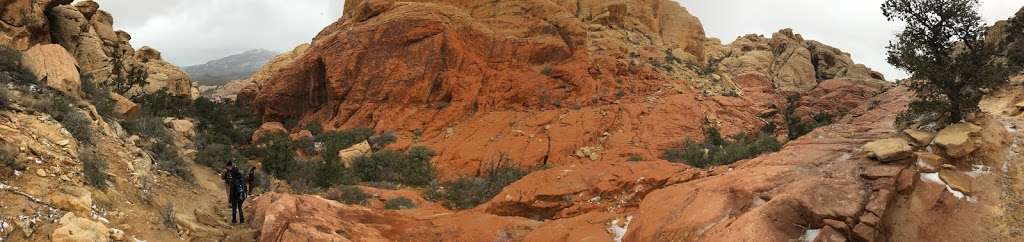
[(943, 47), (127, 76)]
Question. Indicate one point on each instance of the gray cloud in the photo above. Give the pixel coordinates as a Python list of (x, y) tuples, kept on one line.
[(854, 26), (195, 31)]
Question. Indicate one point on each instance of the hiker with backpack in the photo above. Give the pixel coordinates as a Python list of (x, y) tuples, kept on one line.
[(236, 191)]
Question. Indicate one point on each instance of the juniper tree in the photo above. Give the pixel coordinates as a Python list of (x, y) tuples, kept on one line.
[(943, 48)]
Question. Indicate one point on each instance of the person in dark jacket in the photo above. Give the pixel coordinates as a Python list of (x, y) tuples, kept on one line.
[(236, 192)]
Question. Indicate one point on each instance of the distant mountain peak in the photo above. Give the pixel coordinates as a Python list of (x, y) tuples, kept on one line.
[(234, 67)]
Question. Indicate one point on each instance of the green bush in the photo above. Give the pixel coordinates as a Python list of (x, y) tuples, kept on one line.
[(468, 192), (399, 203), (717, 151), (94, 167), (332, 173), (278, 156), (409, 168), (162, 104), (797, 126), (224, 121), (217, 155), (315, 128), (352, 195)]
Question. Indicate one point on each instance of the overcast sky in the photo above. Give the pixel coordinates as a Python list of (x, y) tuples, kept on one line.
[(190, 32)]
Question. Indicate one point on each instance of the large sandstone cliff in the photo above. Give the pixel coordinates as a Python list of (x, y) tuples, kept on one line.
[(546, 80)]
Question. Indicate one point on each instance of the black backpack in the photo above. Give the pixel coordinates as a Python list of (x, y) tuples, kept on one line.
[(238, 184)]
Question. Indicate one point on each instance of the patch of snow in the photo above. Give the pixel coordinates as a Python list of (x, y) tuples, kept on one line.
[(979, 170), (619, 231), (17, 173), (933, 177), (810, 235), (596, 199)]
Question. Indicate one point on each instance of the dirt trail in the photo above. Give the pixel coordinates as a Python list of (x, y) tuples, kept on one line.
[(1013, 182)]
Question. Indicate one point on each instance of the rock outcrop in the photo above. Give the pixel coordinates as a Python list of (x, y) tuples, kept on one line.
[(24, 23), (87, 33), (52, 65), (541, 80)]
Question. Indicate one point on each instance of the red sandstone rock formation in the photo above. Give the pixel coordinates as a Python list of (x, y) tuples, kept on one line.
[(546, 81)]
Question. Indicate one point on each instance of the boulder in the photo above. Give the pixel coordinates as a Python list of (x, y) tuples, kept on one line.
[(956, 180), (920, 138), (268, 128), (163, 75), (573, 190), (72, 198), (76, 229), (887, 150), (351, 153), (929, 162), (124, 107), (793, 70), (52, 65), (366, 9), (958, 140), (181, 126)]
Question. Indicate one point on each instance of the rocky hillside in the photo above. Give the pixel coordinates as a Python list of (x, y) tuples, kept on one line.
[(235, 67), (551, 82)]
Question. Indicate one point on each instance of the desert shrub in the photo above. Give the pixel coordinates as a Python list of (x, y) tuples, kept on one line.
[(331, 173), (384, 185), (468, 192), (547, 71), (11, 70), (381, 140), (717, 151), (150, 127), (9, 157), (169, 160), (94, 167), (278, 156), (79, 125), (162, 104), (167, 216), (224, 121), (216, 155), (307, 145), (399, 203), (315, 128), (348, 195), (61, 109), (99, 95), (410, 168), (635, 158), (798, 127)]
